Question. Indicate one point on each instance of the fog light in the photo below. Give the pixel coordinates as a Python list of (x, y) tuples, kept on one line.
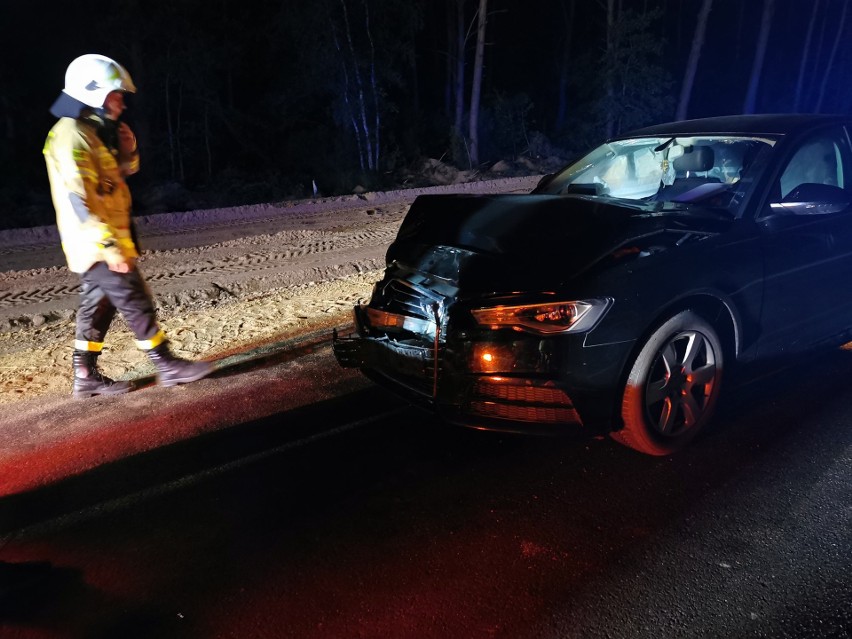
[(521, 356), (492, 358)]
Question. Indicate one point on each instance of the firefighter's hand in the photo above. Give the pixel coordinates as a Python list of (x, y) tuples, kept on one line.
[(121, 264), (126, 139)]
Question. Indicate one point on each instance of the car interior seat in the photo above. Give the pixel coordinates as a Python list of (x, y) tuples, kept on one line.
[(696, 159)]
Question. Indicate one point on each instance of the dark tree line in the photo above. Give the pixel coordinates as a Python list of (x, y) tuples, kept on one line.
[(263, 100)]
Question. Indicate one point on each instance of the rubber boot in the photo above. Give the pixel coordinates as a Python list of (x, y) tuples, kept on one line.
[(90, 381), (173, 370)]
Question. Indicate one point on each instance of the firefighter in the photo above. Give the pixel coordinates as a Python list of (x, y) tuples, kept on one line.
[(89, 153)]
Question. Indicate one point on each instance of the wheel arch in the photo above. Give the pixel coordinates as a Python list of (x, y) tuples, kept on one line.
[(714, 308), (722, 316)]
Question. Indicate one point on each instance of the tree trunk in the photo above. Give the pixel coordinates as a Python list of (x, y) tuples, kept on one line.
[(694, 55), (760, 54), (170, 135), (610, 67), (208, 151), (415, 83), (449, 59), (477, 83), (828, 66), (178, 123), (806, 51), (562, 98), (360, 98), (458, 90), (374, 88), (350, 110)]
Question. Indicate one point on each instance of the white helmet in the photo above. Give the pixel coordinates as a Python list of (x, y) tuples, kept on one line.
[(91, 77)]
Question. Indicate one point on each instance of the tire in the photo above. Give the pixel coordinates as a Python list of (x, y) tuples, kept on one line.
[(673, 385)]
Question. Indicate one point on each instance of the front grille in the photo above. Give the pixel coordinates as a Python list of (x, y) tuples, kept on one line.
[(399, 296), (410, 367)]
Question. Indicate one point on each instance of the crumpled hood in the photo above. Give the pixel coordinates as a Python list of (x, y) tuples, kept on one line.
[(506, 238)]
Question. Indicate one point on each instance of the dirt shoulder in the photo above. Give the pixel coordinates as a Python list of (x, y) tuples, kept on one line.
[(225, 281)]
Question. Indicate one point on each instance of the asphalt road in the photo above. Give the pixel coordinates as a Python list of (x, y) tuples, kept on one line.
[(366, 518)]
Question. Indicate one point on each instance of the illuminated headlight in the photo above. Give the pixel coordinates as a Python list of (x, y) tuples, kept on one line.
[(545, 319)]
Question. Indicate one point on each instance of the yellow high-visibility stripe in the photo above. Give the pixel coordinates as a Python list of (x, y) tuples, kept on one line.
[(154, 342), (47, 142), (105, 231), (83, 345)]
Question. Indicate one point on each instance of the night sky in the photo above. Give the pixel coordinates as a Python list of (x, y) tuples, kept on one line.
[(244, 100)]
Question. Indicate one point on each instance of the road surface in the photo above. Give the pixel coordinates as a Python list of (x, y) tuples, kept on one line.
[(360, 517)]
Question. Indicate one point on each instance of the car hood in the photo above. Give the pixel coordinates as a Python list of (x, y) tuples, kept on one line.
[(498, 242)]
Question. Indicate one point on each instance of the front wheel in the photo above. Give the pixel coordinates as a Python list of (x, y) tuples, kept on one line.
[(672, 388)]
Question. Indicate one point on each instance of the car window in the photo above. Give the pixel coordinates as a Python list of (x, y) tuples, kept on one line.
[(817, 173)]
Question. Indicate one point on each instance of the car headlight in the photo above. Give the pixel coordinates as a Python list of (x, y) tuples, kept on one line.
[(545, 319)]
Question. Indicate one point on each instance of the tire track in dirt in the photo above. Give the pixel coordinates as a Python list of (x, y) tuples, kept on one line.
[(243, 248), (49, 290)]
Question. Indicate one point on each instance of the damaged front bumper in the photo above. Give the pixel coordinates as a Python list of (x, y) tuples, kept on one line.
[(508, 385)]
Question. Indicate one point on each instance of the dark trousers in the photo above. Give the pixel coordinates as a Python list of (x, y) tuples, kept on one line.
[(102, 292)]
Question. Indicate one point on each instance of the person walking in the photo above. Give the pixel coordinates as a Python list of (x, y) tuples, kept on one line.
[(89, 153)]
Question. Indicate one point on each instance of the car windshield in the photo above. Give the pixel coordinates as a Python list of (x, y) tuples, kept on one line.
[(674, 173)]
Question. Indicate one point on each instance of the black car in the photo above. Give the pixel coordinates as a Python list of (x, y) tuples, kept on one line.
[(613, 297)]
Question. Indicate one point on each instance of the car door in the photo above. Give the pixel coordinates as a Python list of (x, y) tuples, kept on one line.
[(807, 237)]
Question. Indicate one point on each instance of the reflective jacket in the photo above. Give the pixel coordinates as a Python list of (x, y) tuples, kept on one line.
[(90, 195)]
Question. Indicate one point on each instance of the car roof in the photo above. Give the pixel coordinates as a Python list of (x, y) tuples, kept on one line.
[(758, 124)]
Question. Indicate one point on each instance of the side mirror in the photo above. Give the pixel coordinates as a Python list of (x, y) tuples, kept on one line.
[(807, 208), (544, 181), (813, 199)]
